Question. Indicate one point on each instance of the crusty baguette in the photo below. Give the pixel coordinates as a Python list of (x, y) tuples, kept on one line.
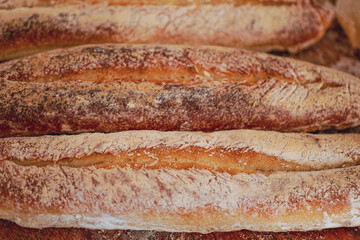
[(181, 181), (109, 88), (264, 25), (231, 151)]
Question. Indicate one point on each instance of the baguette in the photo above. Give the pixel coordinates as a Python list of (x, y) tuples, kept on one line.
[(110, 88), (29, 27), (182, 181)]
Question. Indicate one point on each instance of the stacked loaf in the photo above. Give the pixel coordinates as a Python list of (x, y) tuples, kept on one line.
[(176, 181), (30, 26), (174, 137)]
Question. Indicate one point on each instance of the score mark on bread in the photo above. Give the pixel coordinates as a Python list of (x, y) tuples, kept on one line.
[(114, 87), (92, 180)]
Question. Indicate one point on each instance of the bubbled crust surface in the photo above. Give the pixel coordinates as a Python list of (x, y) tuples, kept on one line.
[(108, 88), (262, 25)]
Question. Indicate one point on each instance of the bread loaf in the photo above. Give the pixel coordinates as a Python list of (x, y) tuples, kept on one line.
[(182, 181), (109, 88), (28, 27)]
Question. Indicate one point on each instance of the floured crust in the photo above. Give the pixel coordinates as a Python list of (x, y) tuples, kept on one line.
[(261, 25), (222, 151), (178, 200), (10, 4), (109, 88), (182, 181)]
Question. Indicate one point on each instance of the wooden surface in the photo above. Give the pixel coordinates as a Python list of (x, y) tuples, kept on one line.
[(11, 231), (333, 51)]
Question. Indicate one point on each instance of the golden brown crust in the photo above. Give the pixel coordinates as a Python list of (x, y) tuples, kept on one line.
[(269, 25), (108, 88), (220, 160), (232, 151), (181, 181), (178, 200)]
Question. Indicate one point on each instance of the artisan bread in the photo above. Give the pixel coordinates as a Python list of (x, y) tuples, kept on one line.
[(28, 27), (182, 181), (110, 88), (230, 151)]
